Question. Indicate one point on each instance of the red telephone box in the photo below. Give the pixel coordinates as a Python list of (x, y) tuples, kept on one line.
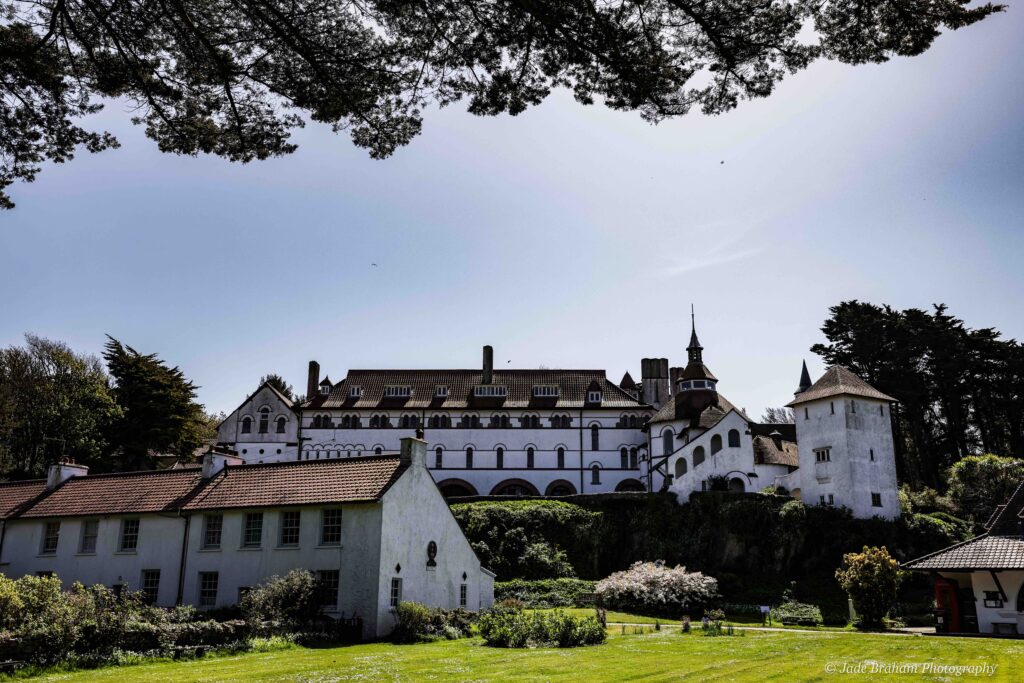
[(947, 605)]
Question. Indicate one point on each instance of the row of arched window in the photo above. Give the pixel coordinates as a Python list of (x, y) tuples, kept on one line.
[(632, 421), (466, 421), (733, 437), (499, 454), (263, 426)]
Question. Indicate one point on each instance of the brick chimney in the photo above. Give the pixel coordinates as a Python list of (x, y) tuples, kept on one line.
[(62, 471), (313, 380)]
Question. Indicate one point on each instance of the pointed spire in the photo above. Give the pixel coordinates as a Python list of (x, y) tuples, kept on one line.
[(694, 349), (805, 380)]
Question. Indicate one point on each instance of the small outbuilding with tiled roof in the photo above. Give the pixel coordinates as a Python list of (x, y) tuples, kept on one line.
[(979, 583)]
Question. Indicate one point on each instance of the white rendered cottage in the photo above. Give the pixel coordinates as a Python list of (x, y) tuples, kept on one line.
[(374, 530)]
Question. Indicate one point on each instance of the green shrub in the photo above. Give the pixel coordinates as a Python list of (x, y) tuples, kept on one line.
[(516, 629), (798, 613), (291, 601), (418, 622), (870, 578), (545, 592)]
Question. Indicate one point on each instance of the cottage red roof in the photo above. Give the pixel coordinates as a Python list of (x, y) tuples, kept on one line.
[(423, 384), (112, 494), (839, 381), (317, 482), (15, 494), (982, 552)]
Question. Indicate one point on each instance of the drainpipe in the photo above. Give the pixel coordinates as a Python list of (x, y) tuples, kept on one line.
[(181, 566), (581, 449), (3, 532)]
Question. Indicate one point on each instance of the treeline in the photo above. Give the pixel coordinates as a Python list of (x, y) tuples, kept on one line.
[(114, 413), (960, 390)]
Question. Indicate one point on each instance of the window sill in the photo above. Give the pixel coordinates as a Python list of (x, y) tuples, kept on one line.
[(46, 555), (250, 547), (86, 554), (287, 547), (329, 546), (127, 552), (209, 550)]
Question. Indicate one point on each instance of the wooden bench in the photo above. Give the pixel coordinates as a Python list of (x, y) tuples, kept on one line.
[(1004, 628), (10, 666)]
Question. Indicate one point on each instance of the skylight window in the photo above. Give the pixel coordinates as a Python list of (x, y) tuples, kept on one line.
[(398, 392), (545, 391)]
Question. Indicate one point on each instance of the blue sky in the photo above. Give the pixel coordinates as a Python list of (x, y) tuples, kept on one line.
[(568, 236)]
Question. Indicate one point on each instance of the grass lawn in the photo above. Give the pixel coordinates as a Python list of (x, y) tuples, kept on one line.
[(665, 655)]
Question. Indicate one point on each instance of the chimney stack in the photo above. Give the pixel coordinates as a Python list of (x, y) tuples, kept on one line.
[(214, 461), (313, 380), (414, 451), (64, 469), (488, 365)]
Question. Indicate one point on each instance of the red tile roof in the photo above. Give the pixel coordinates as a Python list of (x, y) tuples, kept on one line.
[(113, 494), (839, 381), (14, 494), (982, 552), (317, 482), (573, 385)]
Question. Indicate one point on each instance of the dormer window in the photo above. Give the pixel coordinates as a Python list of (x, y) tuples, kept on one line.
[(593, 397), (398, 392), (441, 392), (545, 391), (325, 389), (355, 392), (490, 391)]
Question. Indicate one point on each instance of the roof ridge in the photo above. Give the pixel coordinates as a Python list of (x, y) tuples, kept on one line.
[(17, 482), (293, 463)]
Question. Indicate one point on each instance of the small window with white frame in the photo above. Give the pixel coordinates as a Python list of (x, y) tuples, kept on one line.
[(355, 392), (325, 389), (441, 392), (150, 586), (213, 525), (823, 454), (593, 397), (330, 527), (51, 536), (90, 532), (328, 581), (208, 583), (546, 390), (490, 391), (129, 535), (876, 500), (397, 392), (463, 590), (396, 591)]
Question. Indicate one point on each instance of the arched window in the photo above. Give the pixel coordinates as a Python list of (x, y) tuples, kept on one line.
[(667, 442), (404, 424), (734, 438), (374, 422), (264, 420), (716, 443), (346, 421), (501, 457), (469, 457), (634, 462), (595, 438), (561, 458), (438, 458), (595, 474), (633, 422), (282, 422), (680, 467), (529, 458), (698, 455), (378, 451), (246, 425), (623, 457)]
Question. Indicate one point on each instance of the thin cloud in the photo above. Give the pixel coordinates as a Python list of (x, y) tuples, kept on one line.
[(713, 246)]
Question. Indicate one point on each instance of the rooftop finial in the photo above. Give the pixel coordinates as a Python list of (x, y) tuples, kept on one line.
[(694, 349)]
